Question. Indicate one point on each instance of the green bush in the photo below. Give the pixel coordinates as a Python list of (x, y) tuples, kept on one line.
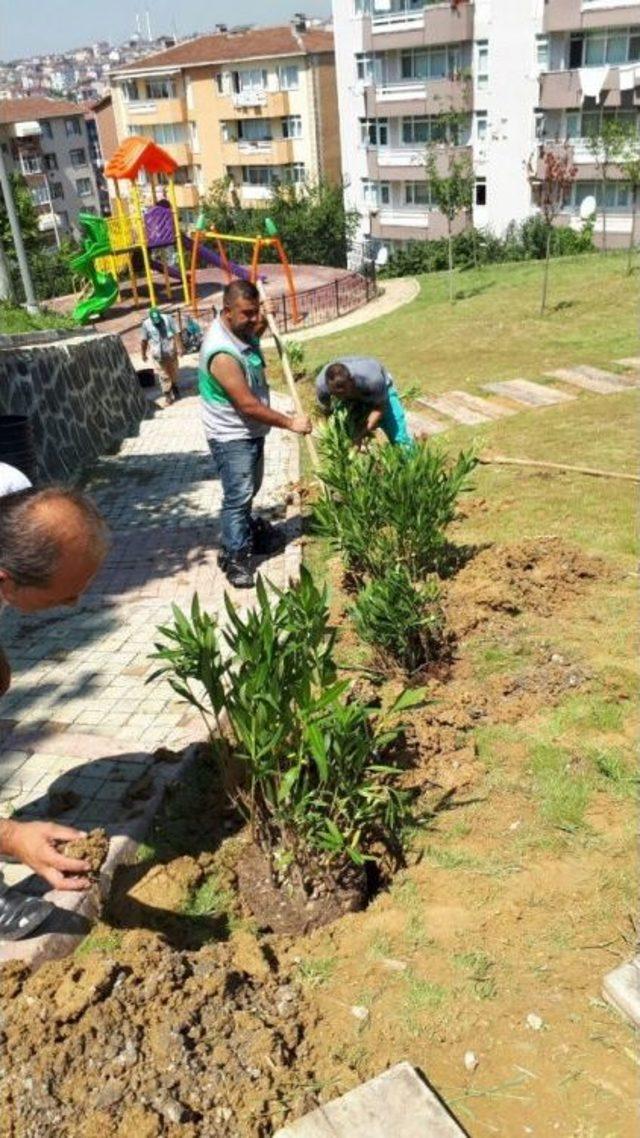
[(525, 241), (400, 619), (387, 507), (316, 788)]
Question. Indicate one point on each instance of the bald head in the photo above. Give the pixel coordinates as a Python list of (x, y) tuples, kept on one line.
[(52, 542)]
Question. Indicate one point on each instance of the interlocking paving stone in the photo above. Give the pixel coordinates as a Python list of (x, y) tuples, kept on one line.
[(577, 378), (396, 1104), (453, 408), (532, 394)]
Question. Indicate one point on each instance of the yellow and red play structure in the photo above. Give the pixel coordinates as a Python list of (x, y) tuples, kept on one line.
[(153, 231)]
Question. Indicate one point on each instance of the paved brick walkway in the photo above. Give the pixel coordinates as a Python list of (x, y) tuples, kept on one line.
[(79, 694)]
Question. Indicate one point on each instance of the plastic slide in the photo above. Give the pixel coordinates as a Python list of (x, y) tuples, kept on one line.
[(104, 285)]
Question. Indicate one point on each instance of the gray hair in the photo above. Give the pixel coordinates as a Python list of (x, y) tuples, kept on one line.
[(29, 549)]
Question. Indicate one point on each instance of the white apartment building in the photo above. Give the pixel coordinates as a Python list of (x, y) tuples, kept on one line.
[(488, 79)]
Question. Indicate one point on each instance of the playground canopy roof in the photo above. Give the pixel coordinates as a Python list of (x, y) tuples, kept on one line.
[(137, 153)]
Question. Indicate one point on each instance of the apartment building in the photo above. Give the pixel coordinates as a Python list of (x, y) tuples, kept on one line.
[(258, 105), (46, 141), (487, 79)]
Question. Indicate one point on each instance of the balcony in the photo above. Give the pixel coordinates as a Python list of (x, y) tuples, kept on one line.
[(30, 164), (576, 15), (25, 129), (156, 110), (399, 163), (562, 90), (181, 152), (260, 103), (403, 26), (260, 194), (263, 152), (417, 97)]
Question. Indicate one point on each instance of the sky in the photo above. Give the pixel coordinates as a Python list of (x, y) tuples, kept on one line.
[(32, 27)]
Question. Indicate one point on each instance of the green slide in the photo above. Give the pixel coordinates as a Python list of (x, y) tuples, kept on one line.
[(105, 286)]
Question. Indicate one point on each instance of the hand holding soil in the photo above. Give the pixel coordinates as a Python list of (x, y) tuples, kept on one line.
[(36, 844), (92, 848)]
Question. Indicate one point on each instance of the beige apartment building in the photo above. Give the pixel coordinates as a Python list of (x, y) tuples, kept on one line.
[(517, 73), (258, 105)]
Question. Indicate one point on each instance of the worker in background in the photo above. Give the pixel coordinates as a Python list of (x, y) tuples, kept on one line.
[(160, 332), (363, 384)]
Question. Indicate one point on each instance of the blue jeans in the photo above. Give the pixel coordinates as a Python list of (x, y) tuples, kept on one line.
[(240, 466)]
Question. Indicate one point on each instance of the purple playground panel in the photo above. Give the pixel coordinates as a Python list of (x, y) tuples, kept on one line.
[(158, 224)]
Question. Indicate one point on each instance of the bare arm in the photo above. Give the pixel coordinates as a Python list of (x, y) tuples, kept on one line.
[(230, 376), (35, 844)]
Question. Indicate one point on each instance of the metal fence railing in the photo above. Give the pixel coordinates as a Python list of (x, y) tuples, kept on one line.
[(326, 302)]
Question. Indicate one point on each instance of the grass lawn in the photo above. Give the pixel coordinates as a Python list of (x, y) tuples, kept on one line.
[(15, 320), (495, 331), (522, 892)]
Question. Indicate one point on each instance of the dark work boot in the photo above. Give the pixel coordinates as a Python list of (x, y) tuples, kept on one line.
[(237, 569)]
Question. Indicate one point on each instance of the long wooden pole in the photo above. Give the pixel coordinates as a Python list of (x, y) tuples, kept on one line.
[(502, 460), (288, 375)]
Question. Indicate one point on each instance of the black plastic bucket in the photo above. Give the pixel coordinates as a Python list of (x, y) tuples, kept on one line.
[(16, 444)]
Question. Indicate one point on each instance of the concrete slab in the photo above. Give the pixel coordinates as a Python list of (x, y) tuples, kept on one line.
[(453, 408), (610, 376), (622, 988), (632, 362), (531, 394), (492, 408), (577, 378), (424, 425), (396, 1104)]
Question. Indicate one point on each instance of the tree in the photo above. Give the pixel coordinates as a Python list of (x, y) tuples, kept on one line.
[(313, 224), (451, 193), (50, 269), (629, 164), (607, 146), (552, 189)]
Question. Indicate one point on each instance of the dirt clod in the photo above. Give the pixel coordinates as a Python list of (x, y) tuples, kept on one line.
[(92, 848)]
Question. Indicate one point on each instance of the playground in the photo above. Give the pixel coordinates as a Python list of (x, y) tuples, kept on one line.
[(141, 256)]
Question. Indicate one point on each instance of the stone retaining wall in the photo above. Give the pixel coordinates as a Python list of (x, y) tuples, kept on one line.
[(80, 392)]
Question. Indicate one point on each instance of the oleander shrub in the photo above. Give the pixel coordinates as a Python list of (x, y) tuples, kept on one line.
[(401, 619)]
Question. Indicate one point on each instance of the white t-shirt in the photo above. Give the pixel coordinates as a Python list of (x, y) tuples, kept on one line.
[(12, 480)]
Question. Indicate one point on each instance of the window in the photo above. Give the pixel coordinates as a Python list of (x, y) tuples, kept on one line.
[(188, 90), (368, 68), (217, 79), (30, 164), (583, 124), (295, 173), (542, 52), (375, 193), (482, 63), (45, 127), (161, 89), (254, 79), (259, 175), (40, 194), (72, 126), (482, 127), (84, 188), (130, 91), (193, 136), (429, 63), (254, 130), (288, 78), (63, 218), (417, 130), (616, 197), (78, 157), (417, 193), (292, 126), (56, 190), (374, 132), (166, 134), (604, 46), (481, 191)]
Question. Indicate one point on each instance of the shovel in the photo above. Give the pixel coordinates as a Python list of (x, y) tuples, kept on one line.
[(20, 915)]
